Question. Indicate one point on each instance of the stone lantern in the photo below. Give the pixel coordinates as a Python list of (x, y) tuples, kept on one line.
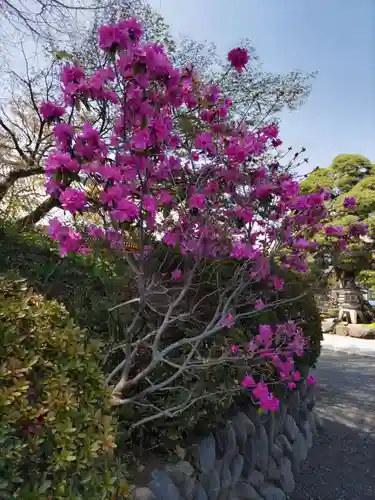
[(350, 303)]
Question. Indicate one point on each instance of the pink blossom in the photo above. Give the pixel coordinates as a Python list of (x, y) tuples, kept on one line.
[(197, 201), (350, 202), (51, 111), (358, 229), (150, 204), (176, 274), (219, 197), (171, 238), (334, 230), (204, 142), (63, 133), (109, 37), (72, 200), (234, 349), (259, 304), (238, 58), (69, 240), (61, 161), (302, 243), (296, 376), (246, 214), (243, 251), (277, 282), (269, 403), (248, 382), (270, 131), (228, 321), (311, 380), (261, 391), (125, 210), (165, 197)]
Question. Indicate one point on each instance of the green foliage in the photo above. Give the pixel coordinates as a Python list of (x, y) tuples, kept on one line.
[(56, 431), (342, 175), (348, 176), (87, 286)]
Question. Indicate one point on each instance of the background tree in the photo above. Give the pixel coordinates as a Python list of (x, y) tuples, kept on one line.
[(45, 19), (258, 96), (349, 176), (25, 142)]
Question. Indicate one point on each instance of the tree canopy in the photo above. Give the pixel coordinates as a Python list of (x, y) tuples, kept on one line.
[(349, 176)]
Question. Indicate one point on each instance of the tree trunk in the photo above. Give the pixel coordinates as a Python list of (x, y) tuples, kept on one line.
[(16, 175), (38, 213)]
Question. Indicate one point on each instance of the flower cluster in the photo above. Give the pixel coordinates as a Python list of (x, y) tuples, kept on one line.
[(175, 167), (278, 344)]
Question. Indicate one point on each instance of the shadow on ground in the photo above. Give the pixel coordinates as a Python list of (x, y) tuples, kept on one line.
[(341, 465)]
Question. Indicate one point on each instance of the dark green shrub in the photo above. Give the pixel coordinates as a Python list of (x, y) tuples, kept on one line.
[(87, 286), (57, 434)]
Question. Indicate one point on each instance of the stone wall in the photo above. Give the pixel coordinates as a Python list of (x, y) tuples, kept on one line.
[(254, 457)]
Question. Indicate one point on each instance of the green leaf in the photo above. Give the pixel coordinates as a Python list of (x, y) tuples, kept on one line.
[(47, 484), (63, 55)]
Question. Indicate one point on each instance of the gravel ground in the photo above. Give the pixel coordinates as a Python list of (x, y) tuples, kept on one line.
[(341, 465)]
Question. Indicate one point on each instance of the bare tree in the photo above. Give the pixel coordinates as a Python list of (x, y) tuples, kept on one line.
[(25, 141), (178, 336), (46, 18)]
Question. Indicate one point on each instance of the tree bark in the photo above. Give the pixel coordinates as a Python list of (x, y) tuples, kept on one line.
[(16, 175), (38, 213)]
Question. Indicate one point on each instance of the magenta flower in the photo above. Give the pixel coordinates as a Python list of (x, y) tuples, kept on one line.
[(296, 376), (234, 349), (228, 321), (269, 403), (259, 304), (72, 200), (125, 211), (176, 274), (63, 133), (248, 382), (197, 201), (358, 229), (334, 231), (350, 202), (204, 142), (51, 111), (310, 380), (238, 58), (171, 238), (261, 391), (109, 37)]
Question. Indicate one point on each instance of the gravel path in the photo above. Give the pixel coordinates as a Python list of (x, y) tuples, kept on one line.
[(341, 465)]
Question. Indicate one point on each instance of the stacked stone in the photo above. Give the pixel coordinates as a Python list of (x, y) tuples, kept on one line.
[(254, 457)]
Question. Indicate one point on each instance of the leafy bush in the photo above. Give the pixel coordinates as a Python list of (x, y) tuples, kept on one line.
[(57, 435), (87, 286)]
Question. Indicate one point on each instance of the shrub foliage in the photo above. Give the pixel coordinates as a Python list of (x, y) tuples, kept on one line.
[(56, 432)]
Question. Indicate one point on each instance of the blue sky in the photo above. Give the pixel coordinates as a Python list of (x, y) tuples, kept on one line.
[(334, 37)]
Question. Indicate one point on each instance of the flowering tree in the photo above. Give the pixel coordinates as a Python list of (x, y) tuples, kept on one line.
[(199, 202)]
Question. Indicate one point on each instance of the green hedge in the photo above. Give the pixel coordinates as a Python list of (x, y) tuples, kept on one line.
[(57, 434), (87, 286)]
